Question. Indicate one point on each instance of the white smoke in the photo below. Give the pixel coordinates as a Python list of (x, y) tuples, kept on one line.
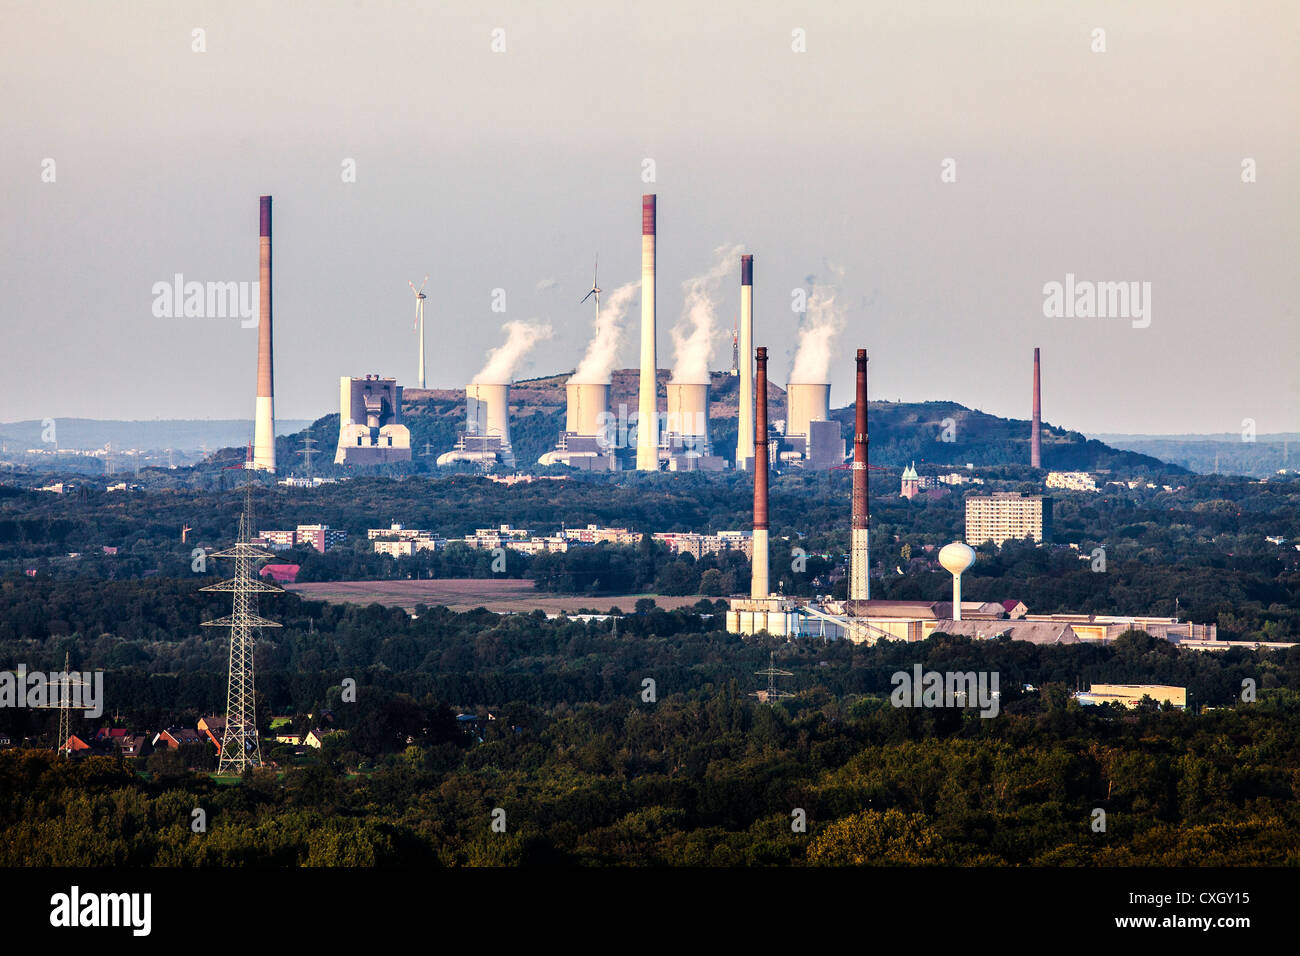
[(823, 321), (602, 352), (695, 334), (504, 359)]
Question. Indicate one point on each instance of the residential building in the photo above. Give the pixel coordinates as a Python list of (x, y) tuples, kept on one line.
[(697, 545), (1071, 480), (1007, 516)]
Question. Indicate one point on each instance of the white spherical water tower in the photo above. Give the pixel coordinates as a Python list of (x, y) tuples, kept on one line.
[(956, 558)]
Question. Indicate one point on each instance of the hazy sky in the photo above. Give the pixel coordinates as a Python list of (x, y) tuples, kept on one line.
[(508, 169)]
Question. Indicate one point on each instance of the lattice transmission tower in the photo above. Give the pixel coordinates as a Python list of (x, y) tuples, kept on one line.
[(771, 672), (69, 696), (240, 748)]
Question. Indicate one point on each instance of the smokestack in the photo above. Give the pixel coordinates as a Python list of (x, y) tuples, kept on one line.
[(860, 543), (1035, 433), (745, 424), (264, 417), (758, 585), (647, 431)]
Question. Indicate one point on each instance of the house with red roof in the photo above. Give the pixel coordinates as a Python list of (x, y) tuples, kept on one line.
[(281, 573)]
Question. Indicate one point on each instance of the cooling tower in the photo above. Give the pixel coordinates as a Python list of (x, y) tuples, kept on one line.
[(1035, 432), (586, 403), (758, 588), (487, 411), (647, 432), (860, 532), (804, 404), (745, 422), (688, 415), (264, 415)]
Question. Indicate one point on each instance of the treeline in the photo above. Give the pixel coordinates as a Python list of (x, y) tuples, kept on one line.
[(703, 776)]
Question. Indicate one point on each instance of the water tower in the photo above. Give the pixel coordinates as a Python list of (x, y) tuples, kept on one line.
[(956, 558)]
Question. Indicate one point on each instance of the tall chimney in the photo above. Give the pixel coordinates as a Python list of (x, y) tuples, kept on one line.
[(860, 541), (758, 588), (745, 423), (1035, 433), (264, 418), (647, 423)]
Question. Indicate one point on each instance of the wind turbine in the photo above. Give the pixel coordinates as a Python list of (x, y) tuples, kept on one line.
[(419, 320), (595, 287)]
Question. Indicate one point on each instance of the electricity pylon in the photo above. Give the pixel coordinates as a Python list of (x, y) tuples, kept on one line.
[(65, 705), (240, 748), (772, 673)]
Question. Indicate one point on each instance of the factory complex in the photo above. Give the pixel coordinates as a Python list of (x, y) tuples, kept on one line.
[(679, 438)]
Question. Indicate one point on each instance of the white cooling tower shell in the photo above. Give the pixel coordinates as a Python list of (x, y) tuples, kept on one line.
[(586, 404), (688, 411), (804, 404), (487, 411)]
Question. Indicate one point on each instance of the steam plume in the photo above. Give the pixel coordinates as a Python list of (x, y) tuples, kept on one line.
[(602, 352), (504, 359), (824, 321), (696, 332)]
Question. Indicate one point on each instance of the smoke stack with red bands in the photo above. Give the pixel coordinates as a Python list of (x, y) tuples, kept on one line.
[(859, 548), (264, 418), (758, 561), (1036, 429)]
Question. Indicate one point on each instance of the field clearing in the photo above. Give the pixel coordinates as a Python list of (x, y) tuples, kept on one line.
[(464, 594)]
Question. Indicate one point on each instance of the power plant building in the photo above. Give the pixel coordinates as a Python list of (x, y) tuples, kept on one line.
[(1007, 516), (588, 442), (684, 439), (812, 440), (370, 427), (486, 439)]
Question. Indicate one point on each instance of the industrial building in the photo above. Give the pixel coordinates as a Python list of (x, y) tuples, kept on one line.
[(586, 442), (684, 442), (811, 440), (1130, 695), (486, 439), (370, 422), (1007, 516)]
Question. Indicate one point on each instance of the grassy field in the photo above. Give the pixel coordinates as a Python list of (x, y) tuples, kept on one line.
[(463, 594)]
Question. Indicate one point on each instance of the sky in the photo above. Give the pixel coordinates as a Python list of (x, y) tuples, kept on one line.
[(817, 135)]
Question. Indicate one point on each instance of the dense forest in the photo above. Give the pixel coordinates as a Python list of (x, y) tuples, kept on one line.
[(587, 770)]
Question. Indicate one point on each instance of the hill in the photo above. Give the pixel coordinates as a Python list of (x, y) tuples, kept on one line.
[(931, 433), (1223, 454)]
